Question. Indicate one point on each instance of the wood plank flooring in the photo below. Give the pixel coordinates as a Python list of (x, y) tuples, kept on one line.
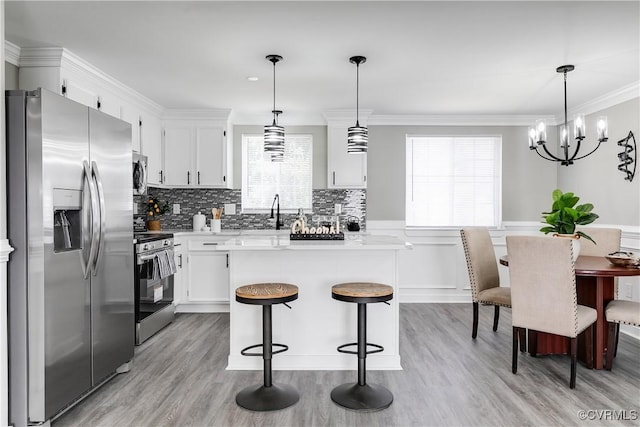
[(179, 379)]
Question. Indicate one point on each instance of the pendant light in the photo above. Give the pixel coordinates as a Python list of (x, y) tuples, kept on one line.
[(538, 133), (274, 134), (357, 136)]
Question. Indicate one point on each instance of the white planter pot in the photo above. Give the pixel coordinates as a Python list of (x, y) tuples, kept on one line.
[(575, 243)]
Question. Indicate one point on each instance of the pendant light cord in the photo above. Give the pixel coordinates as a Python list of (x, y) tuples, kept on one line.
[(358, 94), (274, 94)]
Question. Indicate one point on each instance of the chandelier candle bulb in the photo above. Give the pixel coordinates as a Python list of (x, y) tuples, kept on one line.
[(532, 138), (541, 132), (602, 127), (579, 126)]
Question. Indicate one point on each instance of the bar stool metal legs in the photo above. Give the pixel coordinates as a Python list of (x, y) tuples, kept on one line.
[(266, 396), (362, 396)]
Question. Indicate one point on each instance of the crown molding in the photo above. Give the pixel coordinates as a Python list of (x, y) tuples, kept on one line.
[(287, 119), (11, 53), (623, 94), (346, 117), (60, 57), (456, 120), (196, 114)]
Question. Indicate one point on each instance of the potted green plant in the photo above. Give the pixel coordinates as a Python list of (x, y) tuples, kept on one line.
[(565, 215), (155, 208)]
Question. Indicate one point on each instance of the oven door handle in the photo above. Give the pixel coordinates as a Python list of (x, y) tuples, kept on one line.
[(146, 257)]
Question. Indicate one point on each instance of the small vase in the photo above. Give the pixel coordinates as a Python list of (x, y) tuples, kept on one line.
[(575, 243), (153, 224)]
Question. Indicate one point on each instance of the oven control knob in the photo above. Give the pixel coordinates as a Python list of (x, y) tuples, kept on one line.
[(145, 247), (165, 243)]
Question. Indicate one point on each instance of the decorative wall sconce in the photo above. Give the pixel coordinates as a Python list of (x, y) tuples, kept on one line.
[(628, 157)]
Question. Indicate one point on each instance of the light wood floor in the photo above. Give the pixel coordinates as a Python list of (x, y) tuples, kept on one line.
[(179, 379)]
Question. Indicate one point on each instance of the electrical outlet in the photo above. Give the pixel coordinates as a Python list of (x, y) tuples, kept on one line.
[(230, 208), (176, 208), (337, 208), (628, 291)]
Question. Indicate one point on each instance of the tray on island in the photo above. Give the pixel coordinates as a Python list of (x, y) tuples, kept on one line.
[(316, 236)]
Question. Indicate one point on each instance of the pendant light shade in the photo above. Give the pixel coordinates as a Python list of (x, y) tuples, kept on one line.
[(274, 134), (357, 136)]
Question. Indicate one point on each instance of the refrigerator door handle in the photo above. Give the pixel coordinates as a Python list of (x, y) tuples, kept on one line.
[(86, 264), (102, 224)]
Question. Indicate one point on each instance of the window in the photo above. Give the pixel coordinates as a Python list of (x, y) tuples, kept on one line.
[(453, 181), (262, 179)]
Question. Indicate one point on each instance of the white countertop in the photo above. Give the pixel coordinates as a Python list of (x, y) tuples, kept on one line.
[(281, 241)]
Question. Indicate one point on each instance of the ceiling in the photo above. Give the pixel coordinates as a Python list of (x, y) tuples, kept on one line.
[(423, 57)]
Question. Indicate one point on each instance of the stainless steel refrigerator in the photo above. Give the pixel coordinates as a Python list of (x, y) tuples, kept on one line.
[(70, 209)]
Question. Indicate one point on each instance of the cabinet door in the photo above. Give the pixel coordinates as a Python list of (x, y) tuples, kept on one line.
[(211, 156), (132, 116), (208, 277), (177, 156), (109, 104), (79, 92), (345, 170), (151, 146)]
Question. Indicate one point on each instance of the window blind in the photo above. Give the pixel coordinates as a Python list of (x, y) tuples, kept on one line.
[(262, 179), (453, 181)]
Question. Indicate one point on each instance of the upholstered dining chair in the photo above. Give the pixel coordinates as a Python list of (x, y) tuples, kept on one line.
[(617, 312), (607, 241), (483, 274), (543, 294)]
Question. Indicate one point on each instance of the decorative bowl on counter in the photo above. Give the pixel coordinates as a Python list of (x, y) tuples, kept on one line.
[(624, 259)]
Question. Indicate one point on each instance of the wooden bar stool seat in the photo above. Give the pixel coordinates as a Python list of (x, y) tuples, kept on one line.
[(361, 396), (266, 396)]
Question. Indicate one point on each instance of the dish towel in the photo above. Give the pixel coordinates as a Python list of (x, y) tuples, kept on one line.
[(166, 263)]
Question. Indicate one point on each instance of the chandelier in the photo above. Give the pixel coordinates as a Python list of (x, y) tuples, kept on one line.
[(357, 136), (538, 133), (274, 134)]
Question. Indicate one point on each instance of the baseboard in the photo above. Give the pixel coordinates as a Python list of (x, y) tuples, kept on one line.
[(220, 307)]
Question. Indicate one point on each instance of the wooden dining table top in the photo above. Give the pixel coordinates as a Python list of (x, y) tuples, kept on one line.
[(594, 266)]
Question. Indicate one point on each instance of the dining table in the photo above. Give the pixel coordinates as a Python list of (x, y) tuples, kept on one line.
[(595, 287)]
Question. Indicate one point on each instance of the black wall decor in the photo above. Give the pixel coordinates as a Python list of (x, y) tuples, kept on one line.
[(628, 157)]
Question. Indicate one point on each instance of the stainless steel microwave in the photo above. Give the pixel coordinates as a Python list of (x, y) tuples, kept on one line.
[(139, 174)]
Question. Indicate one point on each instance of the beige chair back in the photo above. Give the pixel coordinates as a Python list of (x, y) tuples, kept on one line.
[(481, 260), (543, 284), (607, 241)]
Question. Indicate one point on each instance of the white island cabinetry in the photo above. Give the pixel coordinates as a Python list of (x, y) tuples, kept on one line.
[(316, 323), (205, 275)]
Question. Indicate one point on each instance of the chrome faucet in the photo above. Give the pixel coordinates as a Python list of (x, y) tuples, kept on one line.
[(279, 222)]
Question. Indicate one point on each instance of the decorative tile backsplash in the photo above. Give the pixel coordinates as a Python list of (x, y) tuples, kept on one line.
[(194, 200)]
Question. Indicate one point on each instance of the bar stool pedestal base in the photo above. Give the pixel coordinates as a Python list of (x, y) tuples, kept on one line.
[(368, 397), (261, 398)]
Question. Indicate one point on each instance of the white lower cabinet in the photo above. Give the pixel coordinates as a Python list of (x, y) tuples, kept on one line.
[(205, 276)]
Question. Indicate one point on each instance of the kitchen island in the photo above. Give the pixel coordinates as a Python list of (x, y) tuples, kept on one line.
[(316, 324)]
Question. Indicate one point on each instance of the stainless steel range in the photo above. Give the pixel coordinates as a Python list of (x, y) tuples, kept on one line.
[(154, 272)]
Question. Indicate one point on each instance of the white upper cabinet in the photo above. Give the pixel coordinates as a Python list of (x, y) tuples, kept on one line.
[(132, 116), (196, 149), (151, 146), (62, 72), (211, 152), (177, 156), (345, 170)]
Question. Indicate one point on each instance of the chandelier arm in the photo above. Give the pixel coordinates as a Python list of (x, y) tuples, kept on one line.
[(575, 152), (589, 153), (546, 158), (552, 157)]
